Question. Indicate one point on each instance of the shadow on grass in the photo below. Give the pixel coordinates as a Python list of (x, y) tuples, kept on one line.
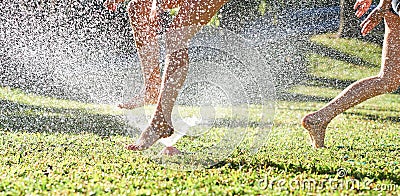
[(393, 119), (22, 117), (331, 83), (287, 96), (327, 82), (336, 54)]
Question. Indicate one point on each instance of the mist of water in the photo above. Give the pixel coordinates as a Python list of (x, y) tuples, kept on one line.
[(77, 50)]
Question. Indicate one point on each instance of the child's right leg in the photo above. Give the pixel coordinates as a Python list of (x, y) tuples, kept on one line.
[(145, 32), (192, 16)]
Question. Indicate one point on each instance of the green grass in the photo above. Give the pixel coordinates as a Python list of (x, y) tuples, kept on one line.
[(18, 96), (324, 66), (52, 146), (315, 91), (353, 47)]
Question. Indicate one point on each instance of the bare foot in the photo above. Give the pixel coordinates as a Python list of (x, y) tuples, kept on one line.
[(137, 102), (316, 127), (151, 135), (146, 98), (170, 151)]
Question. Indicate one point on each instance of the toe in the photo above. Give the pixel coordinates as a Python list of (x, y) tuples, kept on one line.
[(132, 147), (170, 151)]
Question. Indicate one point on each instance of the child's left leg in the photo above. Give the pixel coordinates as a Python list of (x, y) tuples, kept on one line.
[(387, 81)]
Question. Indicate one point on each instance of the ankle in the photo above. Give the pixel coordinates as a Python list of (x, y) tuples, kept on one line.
[(316, 118)]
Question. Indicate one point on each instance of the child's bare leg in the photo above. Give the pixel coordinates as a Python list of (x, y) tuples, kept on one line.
[(192, 16), (160, 126), (145, 32), (387, 81)]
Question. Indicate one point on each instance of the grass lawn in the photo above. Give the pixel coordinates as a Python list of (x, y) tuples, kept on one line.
[(74, 147)]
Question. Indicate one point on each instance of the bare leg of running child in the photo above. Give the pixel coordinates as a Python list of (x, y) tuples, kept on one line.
[(387, 81), (192, 16), (145, 34), (145, 28)]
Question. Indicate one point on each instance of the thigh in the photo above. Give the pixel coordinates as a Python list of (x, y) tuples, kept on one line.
[(392, 31), (391, 45), (144, 29), (169, 4), (139, 8)]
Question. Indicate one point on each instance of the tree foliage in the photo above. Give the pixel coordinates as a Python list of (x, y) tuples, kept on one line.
[(237, 13), (348, 21)]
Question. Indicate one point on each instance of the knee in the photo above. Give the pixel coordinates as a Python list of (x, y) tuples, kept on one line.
[(389, 83)]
